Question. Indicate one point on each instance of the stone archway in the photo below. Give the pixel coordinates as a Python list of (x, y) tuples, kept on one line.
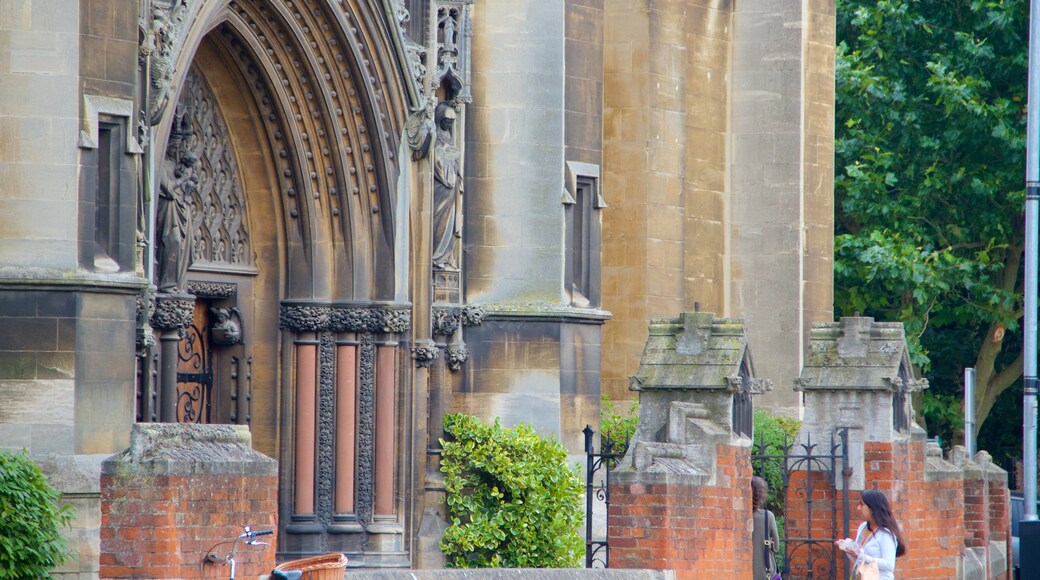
[(297, 246)]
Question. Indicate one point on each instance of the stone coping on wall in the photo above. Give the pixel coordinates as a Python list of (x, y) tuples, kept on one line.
[(184, 448)]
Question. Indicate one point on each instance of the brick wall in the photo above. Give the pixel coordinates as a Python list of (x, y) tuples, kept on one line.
[(162, 513), (700, 531)]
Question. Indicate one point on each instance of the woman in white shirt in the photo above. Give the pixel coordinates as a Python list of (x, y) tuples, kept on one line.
[(878, 539)]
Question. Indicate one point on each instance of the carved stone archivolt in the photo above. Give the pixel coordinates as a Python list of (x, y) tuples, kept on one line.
[(362, 319), (173, 311), (163, 31)]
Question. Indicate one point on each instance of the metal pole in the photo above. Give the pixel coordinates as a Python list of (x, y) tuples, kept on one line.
[(1029, 386), (969, 410)]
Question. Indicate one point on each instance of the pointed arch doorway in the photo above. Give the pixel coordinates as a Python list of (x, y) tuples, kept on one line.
[(280, 150)]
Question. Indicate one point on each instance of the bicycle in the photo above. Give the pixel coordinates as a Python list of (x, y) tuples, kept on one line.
[(250, 539)]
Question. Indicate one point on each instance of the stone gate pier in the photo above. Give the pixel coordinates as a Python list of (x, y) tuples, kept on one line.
[(680, 498), (954, 513)]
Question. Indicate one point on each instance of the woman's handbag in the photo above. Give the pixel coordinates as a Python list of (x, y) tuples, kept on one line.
[(867, 571), (767, 550)]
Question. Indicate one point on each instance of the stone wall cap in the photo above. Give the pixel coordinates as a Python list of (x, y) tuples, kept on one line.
[(696, 351), (185, 447)]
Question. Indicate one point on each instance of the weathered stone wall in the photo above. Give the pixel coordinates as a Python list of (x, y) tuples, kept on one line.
[(177, 492)]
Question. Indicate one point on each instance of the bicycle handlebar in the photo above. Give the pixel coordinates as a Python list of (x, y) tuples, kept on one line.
[(263, 533)]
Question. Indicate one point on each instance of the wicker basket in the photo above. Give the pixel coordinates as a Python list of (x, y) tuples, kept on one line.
[(323, 567)]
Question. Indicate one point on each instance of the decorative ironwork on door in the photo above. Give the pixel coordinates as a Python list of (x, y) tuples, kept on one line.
[(810, 502), (194, 371)]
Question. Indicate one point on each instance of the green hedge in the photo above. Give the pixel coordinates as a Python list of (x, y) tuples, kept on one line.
[(31, 520), (513, 501)]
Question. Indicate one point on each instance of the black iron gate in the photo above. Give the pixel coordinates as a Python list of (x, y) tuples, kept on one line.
[(597, 552), (807, 535)]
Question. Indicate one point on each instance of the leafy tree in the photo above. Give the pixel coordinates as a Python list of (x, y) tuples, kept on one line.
[(512, 499), (929, 187)]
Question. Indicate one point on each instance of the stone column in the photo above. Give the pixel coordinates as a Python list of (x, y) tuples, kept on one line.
[(173, 314)]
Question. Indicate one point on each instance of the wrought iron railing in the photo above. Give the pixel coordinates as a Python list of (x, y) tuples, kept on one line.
[(597, 551)]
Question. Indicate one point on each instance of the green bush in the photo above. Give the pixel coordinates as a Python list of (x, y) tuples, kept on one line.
[(512, 499), (31, 519), (771, 435), (616, 427)]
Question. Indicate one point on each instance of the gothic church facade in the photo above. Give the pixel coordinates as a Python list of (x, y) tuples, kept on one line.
[(335, 221)]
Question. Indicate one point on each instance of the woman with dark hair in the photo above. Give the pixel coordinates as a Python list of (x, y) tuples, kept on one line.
[(878, 540), (764, 538)]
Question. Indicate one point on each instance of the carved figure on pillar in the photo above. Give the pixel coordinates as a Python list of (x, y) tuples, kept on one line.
[(173, 250), (447, 191)]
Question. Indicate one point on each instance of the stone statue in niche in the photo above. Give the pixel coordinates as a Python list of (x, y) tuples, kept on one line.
[(447, 191), (173, 250)]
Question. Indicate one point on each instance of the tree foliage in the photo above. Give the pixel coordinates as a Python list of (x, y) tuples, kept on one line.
[(512, 499), (31, 520), (929, 188)]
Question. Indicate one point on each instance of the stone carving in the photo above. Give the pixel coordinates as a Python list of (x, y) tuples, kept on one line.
[(365, 319), (415, 53), (158, 50), (218, 226), (425, 354), (447, 191), (395, 321), (304, 318), (173, 312), (366, 430), (473, 315), (326, 429), (145, 339), (227, 330), (453, 33), (446, 320), (455, 356), (211, 289), (178, 180), (420, 128)]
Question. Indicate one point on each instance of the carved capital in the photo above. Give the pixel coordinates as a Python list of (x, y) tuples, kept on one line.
[(456, 356), (395, 320), (373, 319), (446, 320), (425, 354), (173, 311), (212, 289), (300, 318)]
